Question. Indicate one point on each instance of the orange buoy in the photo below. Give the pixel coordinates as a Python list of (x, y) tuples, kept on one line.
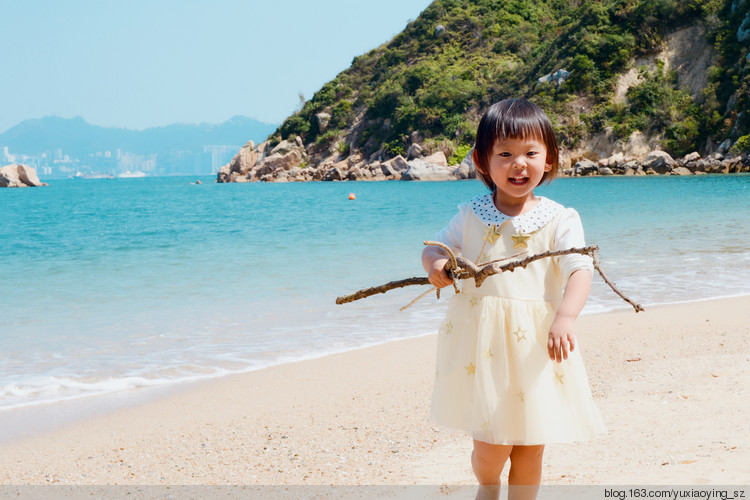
[(352, 197)]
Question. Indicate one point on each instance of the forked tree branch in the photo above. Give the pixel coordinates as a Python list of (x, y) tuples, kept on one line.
[(461, 268)]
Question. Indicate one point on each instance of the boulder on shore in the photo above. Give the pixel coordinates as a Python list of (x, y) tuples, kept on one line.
[(466, 169), (395, 166), (659, 161), (585, 167), (681, 171), (253, 163), (414, 151), (420, 170), (438, 159), (241, 164), (17, 175)]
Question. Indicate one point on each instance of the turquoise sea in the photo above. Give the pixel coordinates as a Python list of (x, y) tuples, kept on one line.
[(112, 284)]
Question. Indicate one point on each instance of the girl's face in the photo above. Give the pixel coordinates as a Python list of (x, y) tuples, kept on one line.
[(517, 167)]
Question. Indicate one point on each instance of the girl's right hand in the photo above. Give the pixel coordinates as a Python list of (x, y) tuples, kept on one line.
[(437, 274)]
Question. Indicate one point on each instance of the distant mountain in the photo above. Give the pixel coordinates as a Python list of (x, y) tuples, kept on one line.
[(78, 138)]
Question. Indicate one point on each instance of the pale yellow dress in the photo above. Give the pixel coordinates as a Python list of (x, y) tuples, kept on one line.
[(494, 378)]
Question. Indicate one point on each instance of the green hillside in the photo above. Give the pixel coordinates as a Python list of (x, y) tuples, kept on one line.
[(459, 56)]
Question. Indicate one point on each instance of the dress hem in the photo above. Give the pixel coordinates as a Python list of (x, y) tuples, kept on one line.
[(511, 442)]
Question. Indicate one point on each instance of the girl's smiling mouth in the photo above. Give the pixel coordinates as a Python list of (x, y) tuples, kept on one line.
[(518, 180)]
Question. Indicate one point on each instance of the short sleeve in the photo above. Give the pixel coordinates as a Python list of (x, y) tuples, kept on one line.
[(570, 235), (452, 234)]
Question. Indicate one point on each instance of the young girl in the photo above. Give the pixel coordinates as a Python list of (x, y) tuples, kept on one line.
[(508, 371)]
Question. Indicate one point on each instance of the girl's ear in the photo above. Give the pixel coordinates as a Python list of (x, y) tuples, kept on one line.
[(548, 164), (474, 158)]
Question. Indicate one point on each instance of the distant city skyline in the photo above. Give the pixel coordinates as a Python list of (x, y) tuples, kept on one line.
[(58, 147), (56, 164), (138, 64)]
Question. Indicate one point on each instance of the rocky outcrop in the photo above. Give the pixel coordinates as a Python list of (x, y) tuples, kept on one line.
[(394, 168), (420, 170), (431, 168), (263, 163), (240, 165), (556, 77), (288, 161), (585, 167), (322, 120), (414, 151), (660, 163), (17, 175)]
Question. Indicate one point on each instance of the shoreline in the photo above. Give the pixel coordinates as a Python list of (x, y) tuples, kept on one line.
[(43, 417), (66, 411), (362, 416), (290, 160)]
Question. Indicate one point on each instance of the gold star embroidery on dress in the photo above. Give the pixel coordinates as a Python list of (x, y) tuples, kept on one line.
[(491, 234), (486, 426), (520, 334), (487, 354), (474, 300), (560, 377), (521, 395), (520, 240), (471, 369), (448, 327)]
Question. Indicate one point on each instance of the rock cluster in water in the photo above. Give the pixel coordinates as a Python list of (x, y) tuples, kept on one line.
[(660, 163), (288, 162), (16, 175)]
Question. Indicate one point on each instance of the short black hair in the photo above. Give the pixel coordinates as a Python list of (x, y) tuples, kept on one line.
[(513, 118)]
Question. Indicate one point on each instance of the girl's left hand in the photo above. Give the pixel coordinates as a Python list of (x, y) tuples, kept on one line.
[(562, 340)]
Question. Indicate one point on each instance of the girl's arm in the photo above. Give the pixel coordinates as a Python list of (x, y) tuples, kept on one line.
[(433, 261), (562, 339)]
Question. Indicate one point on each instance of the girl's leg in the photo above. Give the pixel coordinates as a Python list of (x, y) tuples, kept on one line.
[(525, 472), (488, 461)]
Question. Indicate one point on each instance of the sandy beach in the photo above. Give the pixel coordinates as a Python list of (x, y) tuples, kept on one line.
[(671, 383)]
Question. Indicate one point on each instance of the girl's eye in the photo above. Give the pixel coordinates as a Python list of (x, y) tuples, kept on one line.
[(505, 154), (532, 153)]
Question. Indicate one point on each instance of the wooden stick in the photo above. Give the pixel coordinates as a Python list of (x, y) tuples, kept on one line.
[(461, 268), (421, 296), (598, 268), (361, 294), (492, 269)]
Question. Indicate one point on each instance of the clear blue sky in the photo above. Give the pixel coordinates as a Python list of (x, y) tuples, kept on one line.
[(145, 63)]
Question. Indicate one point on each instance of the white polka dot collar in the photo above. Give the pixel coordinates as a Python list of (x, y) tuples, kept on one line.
[(537, 217)]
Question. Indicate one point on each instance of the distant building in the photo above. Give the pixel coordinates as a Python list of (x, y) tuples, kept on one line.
[(203, 160), (130, 162), (220, 155)]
